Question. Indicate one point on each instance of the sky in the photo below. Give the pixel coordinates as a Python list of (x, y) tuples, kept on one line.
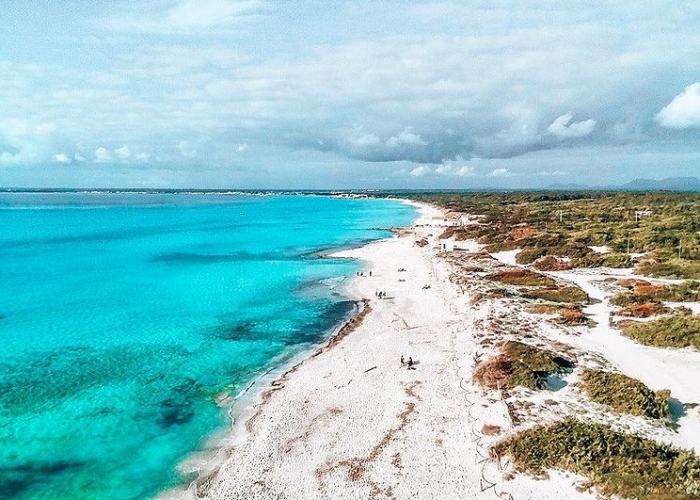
[(347, 94)]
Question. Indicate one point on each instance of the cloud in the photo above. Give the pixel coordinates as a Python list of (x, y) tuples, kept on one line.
[(500, 172), (456, 168), (102, 155), (465, 171), (563, 128), (553, 173), (683, 111), (62, 158), (405, 138), (421, 171), (123, 153)]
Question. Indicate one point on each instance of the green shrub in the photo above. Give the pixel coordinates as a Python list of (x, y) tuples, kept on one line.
[(618, 464), (680, 330), (569, 294), (522, 277), (625, 394), (520, 365), (680, 269)]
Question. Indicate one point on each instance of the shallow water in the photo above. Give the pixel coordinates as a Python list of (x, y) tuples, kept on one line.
[(123, 315)]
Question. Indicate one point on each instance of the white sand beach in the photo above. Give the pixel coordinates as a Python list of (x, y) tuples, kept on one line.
[(350, 422)]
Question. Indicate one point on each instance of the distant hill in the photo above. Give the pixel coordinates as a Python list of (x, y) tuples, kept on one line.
[(670, 184)]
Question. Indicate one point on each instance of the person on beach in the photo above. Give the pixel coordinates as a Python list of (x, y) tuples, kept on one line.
[(410, 362), (402, 361)]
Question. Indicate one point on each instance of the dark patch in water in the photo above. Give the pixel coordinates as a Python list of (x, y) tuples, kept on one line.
[(175, 412), (252, 331), (246, 331), (333, 314), (47, 378), (242, 256), (177, 408), (18, 479)]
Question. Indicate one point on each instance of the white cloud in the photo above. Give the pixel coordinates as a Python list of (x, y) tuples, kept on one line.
[(406, 137), (102, 155), (554, 173), (123, 153), (455, 168), (241, 147), (500, 172), (142, 156), (683, 111), (78, 157), (563, 128), (465, 171), (62, 158), (420, 171)]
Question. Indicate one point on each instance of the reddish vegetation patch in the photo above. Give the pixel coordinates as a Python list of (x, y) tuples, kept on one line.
[(551, 263), (643, 288), (642, 310), (447, 233), (631, 282), (572, 317), (494, 373), (522, 233)]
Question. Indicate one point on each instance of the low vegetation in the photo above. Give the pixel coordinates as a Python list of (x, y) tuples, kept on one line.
[(679, 330), (567, 294), (568, 314), (619, 464), (664, 227), (522, 277), (625, 394), (520, 365), (688, 291)]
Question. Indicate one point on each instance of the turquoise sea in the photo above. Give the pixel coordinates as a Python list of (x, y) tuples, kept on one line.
[(123, 315)]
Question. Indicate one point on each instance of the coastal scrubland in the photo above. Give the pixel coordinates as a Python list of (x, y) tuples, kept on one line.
[(565, 244), (658, 233)]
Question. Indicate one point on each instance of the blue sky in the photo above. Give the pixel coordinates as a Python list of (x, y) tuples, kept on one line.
[(347, 94)]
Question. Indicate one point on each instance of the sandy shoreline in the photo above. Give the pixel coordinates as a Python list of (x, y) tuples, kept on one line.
[(348, 421)]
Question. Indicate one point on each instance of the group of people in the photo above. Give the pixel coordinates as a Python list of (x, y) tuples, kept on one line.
[(380, 295), (362, 273), (409, 363)]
